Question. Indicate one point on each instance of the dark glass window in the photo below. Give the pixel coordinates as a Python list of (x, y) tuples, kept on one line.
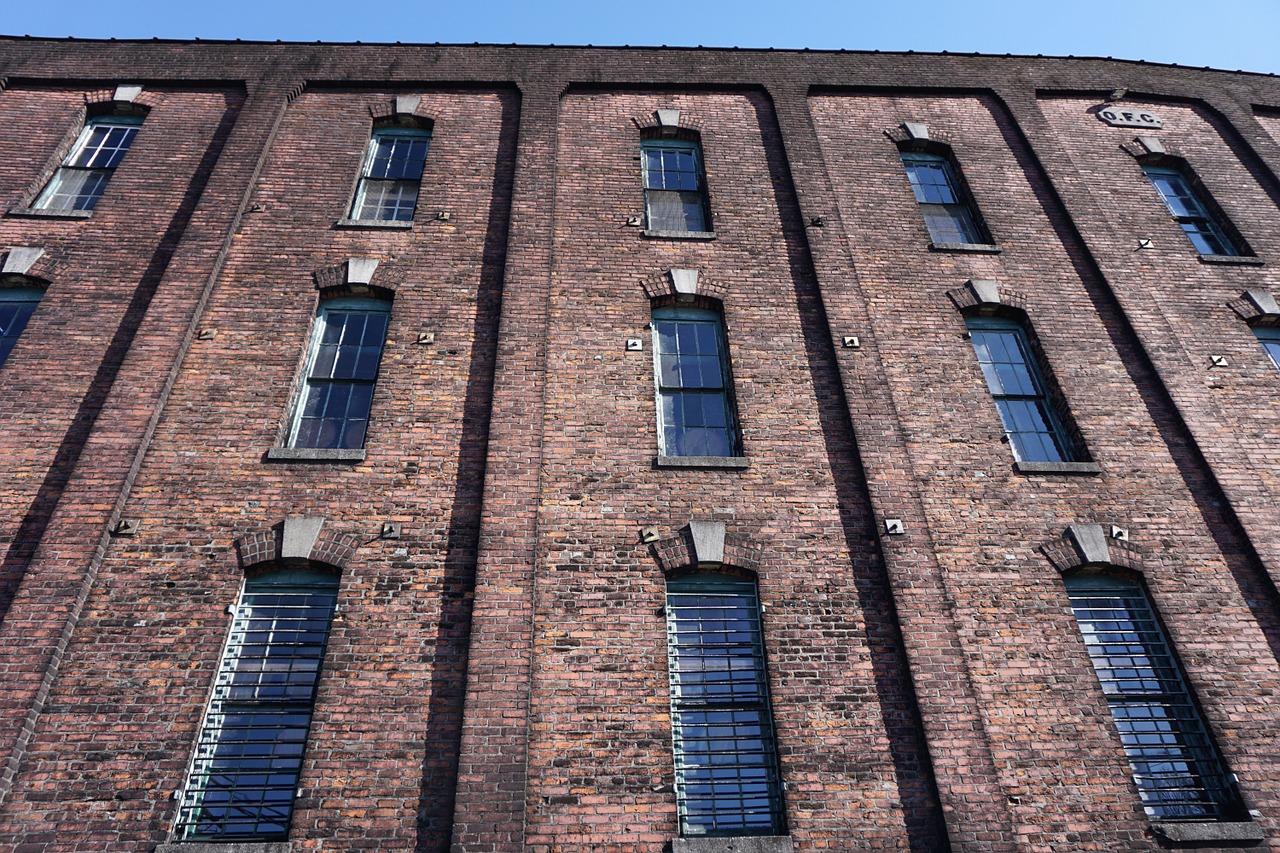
[(727, 780), (249, 754), (341, 373), (695, 413), (17, 304), (1191, 211), (1268, 336), (675, 197), (1177, 768), (1004, 353), (83, 176), (943, 202), (392, 175)]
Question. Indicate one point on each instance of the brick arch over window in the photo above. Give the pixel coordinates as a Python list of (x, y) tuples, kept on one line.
[(27, 266), (707, 545), (296, 541), (674, 284), (1092, 544), (354, 277), (669, 123), (127, 99), (984, 296), (407, 110)]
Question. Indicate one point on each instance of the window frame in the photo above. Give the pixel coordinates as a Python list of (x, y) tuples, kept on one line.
[(1269, 338), (754, 702), (69, 170), (1208, 219), (731, 430), (366, 180), (306, 585), (964, 208), (694, 146), (22, 295), (366, 305)]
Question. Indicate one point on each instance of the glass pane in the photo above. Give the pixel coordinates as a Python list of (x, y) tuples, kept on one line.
[(1012, 379), (13, 319), (695, 415)]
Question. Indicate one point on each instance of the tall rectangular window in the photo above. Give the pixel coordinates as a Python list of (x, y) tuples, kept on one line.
[(1191, 211), (1268, 336), (1030, 424), (249, 753), (17, 304), (1176, 766), (341, 373), (675, 197), (727, 780), (83, 176), (392, 175), (695, 413), (942, 198)]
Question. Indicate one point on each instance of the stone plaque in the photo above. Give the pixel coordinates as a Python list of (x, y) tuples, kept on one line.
[(1126, 117)]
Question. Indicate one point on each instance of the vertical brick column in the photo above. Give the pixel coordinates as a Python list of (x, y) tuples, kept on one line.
[(490, 806), (974, 806)]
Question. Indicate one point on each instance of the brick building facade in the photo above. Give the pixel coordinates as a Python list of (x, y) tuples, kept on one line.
[(493, 449)]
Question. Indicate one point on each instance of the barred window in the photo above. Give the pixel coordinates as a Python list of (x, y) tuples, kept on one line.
[(675, 197), (82, 179), (944, 200), (727, 780), (17, 304), (249, 753), (1191, 210), (691, 363), (342, 370), (1018, 388), (392, 175), (1178, 770)]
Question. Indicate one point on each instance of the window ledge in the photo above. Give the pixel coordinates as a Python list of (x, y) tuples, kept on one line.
[(1241, 830), (737, 462), (1057, 467), (376, 224), (974, 248), (736, 844), (680, 235), (225, 847), (1232, 260), (41, 213), (314, 454)]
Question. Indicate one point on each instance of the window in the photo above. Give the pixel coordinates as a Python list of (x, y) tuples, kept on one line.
[(341, 372), (1191, 211), (1268, 336), (727, 780), (249, 753), (675, 197), (691, 363), (1030, 423), (943, 199), (391, 176), (83, 176), (17, 304), (1177, 768)]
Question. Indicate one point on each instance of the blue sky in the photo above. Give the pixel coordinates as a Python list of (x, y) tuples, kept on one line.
[(1230, 34)]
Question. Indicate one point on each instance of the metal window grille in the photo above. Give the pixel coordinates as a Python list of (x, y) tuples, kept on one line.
[(16, 307), (249, 753), (946, 211), (1177, 768), (674, 190), (695, 413), (1268, 336), (727, 780), (341, 374), (1190, 211), (1004, 353), (392, 175), (83, 176)]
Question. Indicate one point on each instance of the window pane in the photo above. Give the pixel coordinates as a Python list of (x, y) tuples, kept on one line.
[(1189, 209), (946, 211), (672, 179), (16, 307), (338, 396), (83, 176), (392, 176), (695, 417)]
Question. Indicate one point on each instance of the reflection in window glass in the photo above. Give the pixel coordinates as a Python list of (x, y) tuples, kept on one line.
[(946, 211), (674, 195), (392, 175), (1205, 233), (17, 304), (727, 779), (249, 753), (695, 416), (334, 412), (1268, 336), (83, 176)]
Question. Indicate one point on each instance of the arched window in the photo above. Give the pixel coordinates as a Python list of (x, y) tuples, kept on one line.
[(342, 369), (17, 304), (727, 779), (1175, 764), (82, 179), (249, 753), (691, 364), (391, 175)]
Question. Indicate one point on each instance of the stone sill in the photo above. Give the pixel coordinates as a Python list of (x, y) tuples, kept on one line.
[(41, 213), (376, 224), (1211, 832), (734, 462), (1057, 467), (314, 454), (1232, 260), (680, 235), (973, 248), (733, 844), (225, 847)]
